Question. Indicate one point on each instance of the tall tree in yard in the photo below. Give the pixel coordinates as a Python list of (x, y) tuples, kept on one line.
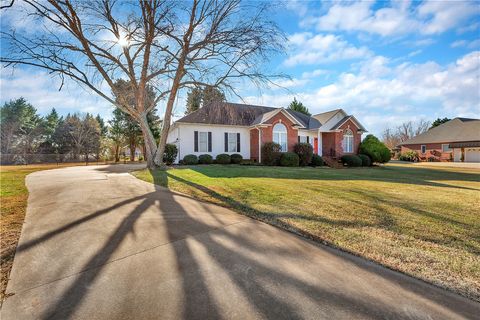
[(168, 45), (194, 100), (298, 106)]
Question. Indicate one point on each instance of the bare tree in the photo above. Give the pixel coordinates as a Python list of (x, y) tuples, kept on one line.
[(168, 45), (403, 132)]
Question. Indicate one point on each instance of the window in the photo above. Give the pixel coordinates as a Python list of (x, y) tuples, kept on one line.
[(423, 148), (232, 142), (348, 141), (303, 139), (202, 141), (280, 135), (446, 148)]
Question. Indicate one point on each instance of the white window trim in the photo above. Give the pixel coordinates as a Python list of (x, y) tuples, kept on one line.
[(200, 149), (234, 134), (447, 144), (280, 136), (421, 148), (348, 141)]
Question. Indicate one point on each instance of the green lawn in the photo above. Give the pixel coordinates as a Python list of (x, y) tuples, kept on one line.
[(421, 221)]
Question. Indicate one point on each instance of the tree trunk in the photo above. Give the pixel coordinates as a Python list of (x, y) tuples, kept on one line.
[(149, 140), (117, 153), (133, 148)]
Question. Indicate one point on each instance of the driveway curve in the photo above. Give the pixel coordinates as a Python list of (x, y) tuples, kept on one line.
[(99, 244)]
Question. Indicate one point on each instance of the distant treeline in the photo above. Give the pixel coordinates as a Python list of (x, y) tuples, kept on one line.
[(27, 137)]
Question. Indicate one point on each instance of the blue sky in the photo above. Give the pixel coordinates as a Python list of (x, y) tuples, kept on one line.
[(385, 62)]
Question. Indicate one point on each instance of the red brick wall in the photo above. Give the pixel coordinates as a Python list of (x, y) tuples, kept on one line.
[(334, 140), (254, 144), (417, 147), (292, 133)]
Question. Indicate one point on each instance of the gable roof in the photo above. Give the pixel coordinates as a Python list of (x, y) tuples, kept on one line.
[(236, 114), (325, 116), (455, 130), (345, 119)]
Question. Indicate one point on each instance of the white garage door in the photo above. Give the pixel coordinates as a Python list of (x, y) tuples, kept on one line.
[(472, 154)]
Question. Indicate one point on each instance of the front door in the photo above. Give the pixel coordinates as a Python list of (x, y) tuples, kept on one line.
[(315, 145)]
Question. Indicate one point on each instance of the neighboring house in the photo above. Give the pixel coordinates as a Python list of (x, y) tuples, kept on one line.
[(225, 127), (456, 140)]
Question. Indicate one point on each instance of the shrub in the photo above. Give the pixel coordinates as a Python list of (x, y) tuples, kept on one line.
[(375, 149), (366, 162), (236, 158), (190, 159), (223, 158), (289, 159), (351, 160), (271, 153), (170, 153), (205, 159), (409, 156), (317, 161), (305, 153)]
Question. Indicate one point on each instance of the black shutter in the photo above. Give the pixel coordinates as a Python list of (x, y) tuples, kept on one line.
[(308, 138), (298, 139), (209, 141), (238, 142), (195, 141), (226, 141)]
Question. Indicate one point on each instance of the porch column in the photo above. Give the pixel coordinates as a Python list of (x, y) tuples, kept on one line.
[(319, 144)]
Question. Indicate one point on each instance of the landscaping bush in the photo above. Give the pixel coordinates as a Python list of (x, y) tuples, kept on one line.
[(366, 162), (375, 149), (170, 153), (236, 158), (411, 156), (351, 160), (190, 159), (317, 161), (289, 159), (305, 153), (205, 159), (271, 153), (223, 158)]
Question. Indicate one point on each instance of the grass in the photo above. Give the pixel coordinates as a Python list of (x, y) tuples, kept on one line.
[(421, 221), (13, 204)]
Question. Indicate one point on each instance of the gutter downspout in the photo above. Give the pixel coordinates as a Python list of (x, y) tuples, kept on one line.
[(259, 145)]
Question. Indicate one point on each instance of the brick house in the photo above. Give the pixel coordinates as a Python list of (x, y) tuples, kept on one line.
[(225, 127), (457, 140)]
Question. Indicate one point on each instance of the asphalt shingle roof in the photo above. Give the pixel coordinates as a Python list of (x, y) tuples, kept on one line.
[(455, 130)]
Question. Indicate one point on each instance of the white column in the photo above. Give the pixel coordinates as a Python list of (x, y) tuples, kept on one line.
[(319, 137)]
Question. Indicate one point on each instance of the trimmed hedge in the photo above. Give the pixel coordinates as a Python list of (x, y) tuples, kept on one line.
[(351, 160), (170, 153), (271, 153), (375, 149), (289, 159), (366, 162), (223, 158), (317, 161), (236, 158), (205, 159), (305, 153), (190, 159)]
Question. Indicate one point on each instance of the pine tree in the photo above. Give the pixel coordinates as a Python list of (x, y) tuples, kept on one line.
[(298, 106), (194, 100)]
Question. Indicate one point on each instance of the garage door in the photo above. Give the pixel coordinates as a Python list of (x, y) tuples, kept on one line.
[(472, 154)]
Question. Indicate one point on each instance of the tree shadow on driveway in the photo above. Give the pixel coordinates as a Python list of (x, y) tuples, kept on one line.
[(246, 267)]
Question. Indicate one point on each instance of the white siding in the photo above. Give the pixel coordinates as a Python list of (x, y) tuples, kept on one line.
[(183, 136), (333, 121)]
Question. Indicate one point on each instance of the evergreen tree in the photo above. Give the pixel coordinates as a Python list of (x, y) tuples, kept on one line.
[(298, 106), (212, 94), (439, 121), (194, 100)]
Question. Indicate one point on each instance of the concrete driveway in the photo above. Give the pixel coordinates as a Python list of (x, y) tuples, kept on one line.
[(99, 244)]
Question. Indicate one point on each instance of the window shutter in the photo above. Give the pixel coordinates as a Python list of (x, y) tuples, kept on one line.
[(209, 141), (298, 139), (195, 141), (226, 141), (308, 139), (238, 142)]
